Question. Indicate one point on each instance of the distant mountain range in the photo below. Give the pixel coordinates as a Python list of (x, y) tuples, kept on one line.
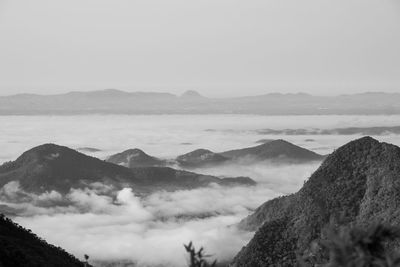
[(112, 101), (380, 130), (19, 247), (52, 167), (357, 184), (277, 151)]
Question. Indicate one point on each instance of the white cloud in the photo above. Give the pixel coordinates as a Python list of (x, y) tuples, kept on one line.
[(151, 230)]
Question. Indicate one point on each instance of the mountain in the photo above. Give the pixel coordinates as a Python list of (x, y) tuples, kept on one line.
[(135, 158), (377, 130), (263, 141), (191, 94), (200, 158), (21, 248), (88, 149), (52, 167), (359, 183), (113, 101), (277, 150)]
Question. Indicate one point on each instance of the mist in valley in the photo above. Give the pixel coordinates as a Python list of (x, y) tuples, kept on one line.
[(118, 226)]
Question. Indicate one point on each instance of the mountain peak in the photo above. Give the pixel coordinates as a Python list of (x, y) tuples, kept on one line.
[(191, 94), (135, 157), (363, 141), (200, 157), (356, 150), (47, 151), (280, 150), (360, 154), (358, 183), (136, 151), (277, 142), (199, 152)]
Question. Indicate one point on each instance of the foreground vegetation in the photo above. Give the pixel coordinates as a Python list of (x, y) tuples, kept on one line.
[(19, 247), (351, 246)]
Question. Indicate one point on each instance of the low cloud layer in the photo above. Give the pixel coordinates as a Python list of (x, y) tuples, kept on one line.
[(152, 230), (148, 231), (117, 226), (171, 135)]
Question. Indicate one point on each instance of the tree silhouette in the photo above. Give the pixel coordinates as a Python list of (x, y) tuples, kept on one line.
[(198, 258)]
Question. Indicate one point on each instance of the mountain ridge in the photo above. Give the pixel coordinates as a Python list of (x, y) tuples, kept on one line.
[(114, 101), (51, 167), (277, 151), (274, 150), (21, 248), (200, 158), (135, 158), (358, 183)]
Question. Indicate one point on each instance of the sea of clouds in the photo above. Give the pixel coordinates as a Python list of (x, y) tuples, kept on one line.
[(151, 231)]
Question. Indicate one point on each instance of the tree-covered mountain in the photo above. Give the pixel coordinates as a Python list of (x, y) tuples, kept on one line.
[(52, 167), (19, 247), (200, 158), (359, 183), (133, 158), (276, 150)]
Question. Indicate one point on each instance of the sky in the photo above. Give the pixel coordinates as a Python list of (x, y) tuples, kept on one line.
[(218, 47)]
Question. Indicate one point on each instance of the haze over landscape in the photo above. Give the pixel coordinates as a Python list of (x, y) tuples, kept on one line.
[(114, 224), (266, 132), (220, 48)]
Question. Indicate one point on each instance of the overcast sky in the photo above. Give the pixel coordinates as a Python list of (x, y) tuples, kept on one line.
[(219, 47)]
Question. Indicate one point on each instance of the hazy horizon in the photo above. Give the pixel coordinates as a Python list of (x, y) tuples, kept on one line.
[(178, 93), (110, 157), (220, 48)]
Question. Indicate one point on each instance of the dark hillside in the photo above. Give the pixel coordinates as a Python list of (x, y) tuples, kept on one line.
[(132, 158), (52, 167), (358, 183), (22, 248), (200, 158), (278, 150)]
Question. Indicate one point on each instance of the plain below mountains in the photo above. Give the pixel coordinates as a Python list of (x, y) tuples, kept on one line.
[(52, 167), (357, 184), (276, 151)]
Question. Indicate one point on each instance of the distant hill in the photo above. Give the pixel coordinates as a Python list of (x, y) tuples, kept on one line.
[(358, 183), (52, 167), (135, 158), (88, 149), (380, 130), (21, 248), (112, 101), (278, 150), (263, 141), (200, 158), (191, 94)]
